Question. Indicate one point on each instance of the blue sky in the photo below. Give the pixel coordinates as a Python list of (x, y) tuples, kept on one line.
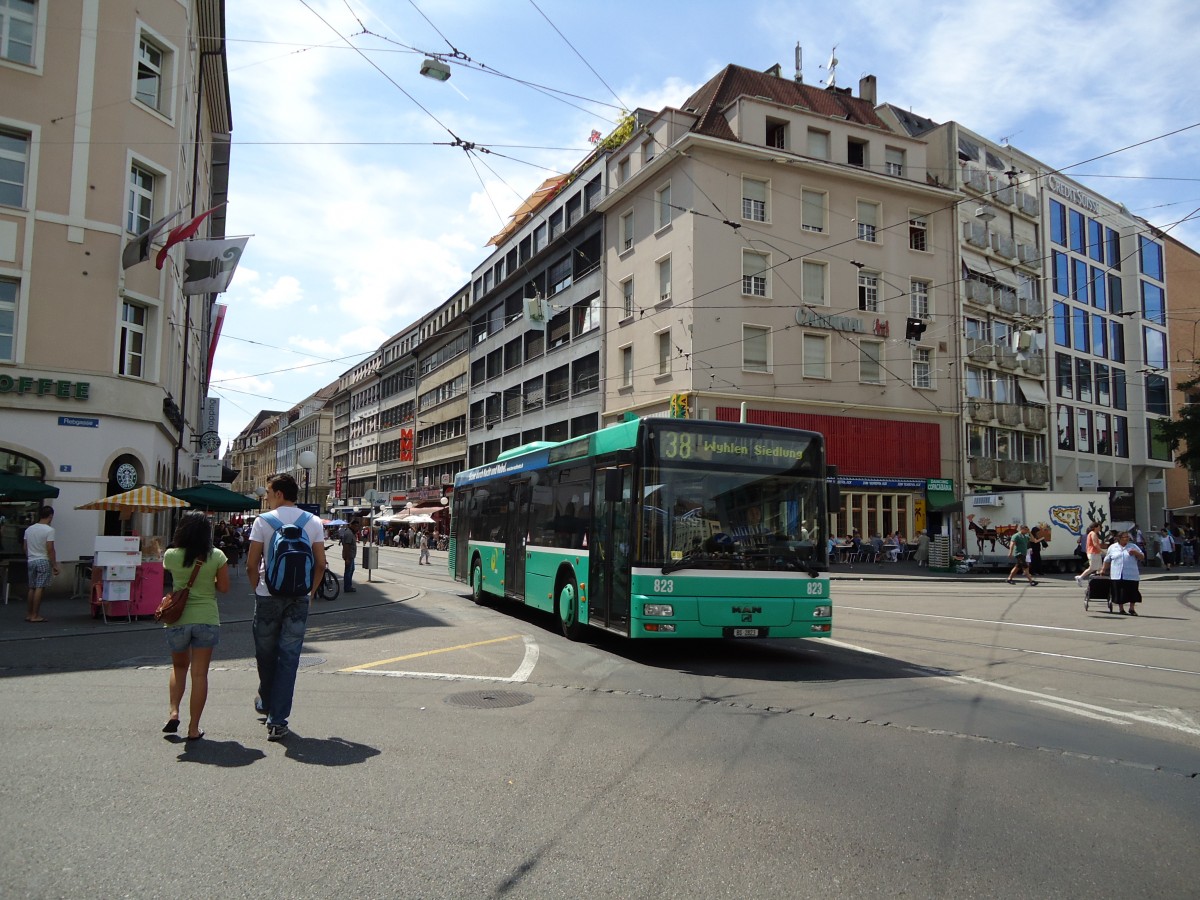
[(364, 218)]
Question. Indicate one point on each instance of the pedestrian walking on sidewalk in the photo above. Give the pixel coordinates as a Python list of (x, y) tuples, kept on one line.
[(423, 546), (1121, 565), (194, 636), (1168, 548), (1018, 549), (1093, 547)]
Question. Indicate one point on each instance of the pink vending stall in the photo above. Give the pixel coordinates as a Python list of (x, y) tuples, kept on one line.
[(122, 584)]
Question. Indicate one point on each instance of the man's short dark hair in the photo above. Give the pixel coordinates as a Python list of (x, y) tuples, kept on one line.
[(286, 485), (45, 512)]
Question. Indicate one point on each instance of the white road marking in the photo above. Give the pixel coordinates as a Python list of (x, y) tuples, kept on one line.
[(1082, 712), (518, 677)]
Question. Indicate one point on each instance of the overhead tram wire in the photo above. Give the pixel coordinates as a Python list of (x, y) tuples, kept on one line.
[(624, 105)]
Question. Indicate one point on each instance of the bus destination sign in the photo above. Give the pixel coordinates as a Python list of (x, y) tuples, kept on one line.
[(731, 449)]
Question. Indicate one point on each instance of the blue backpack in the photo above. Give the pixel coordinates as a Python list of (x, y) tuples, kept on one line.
[(290, 563)]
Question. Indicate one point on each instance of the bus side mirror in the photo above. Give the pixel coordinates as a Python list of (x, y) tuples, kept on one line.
[(833, 496), (612, 485)]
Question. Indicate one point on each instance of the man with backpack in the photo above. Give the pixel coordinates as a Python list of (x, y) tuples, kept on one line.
[(285, 564)]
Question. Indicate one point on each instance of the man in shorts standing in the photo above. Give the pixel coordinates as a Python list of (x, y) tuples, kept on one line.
[(280, 622), (1019, 550), (40, 560)]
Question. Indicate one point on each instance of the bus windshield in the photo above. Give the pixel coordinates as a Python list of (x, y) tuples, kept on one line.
[(721, 502)]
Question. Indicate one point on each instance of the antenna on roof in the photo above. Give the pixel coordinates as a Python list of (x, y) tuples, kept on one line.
[(831, 81), (799, 68)]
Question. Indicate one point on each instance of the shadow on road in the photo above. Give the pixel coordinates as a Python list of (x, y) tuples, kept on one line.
[(334, 751), (226, 754)]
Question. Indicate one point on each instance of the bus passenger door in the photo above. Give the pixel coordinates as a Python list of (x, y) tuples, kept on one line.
[(610, 546), (515, 539), (460, 528)]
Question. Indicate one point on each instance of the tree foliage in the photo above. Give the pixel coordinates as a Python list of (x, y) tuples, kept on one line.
[(1184, 430)]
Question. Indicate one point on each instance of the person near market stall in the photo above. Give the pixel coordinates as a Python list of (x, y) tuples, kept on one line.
[(41, 562)]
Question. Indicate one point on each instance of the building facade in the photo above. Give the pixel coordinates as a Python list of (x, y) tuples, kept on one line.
[(102, 368)]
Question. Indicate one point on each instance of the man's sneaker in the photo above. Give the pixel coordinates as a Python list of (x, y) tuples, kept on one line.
[(1079, 579), (258, 705), (277, 732)]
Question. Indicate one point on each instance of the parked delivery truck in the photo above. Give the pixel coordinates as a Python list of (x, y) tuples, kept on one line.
[(990, 521)]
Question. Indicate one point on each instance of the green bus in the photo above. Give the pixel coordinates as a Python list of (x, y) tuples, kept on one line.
[(654, 528)]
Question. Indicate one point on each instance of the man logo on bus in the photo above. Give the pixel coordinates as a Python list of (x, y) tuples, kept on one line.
[(747, 609)]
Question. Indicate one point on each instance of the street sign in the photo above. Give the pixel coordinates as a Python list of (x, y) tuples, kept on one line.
[(209, 471)]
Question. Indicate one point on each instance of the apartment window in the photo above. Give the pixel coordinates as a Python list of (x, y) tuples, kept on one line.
[(812, 280), (627, 298), (818, 143), (1063, 369), (664, 352), (815, 348), (560, 275), (647, 151), (777, 134), (1058, 223), (664, 280), (150, 84), (1066, 428), (626, 231), (856, 153), (754, 273), (662, 206), (812, 210), (868, 220), (868, 291), (1083, 430), (140, 209), (623, 170), (755, 348), (1150, 258), (922, 367), (754, 199), (918, 234), (918, 299), (14, 163), (17, 21), (869, 355), (1154, 305), (626, 367), (8, 318), (133, 340), (893, 161)]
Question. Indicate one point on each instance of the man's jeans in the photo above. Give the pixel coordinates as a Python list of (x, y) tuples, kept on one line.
[(278, 628), (349, 574)]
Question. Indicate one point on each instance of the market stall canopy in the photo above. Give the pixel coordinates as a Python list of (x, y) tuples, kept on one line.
[(215, 498), (15, 487), (417, 519), (141, 499)]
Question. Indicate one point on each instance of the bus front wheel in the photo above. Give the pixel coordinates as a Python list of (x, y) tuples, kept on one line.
[(476, 582), (568, 610)]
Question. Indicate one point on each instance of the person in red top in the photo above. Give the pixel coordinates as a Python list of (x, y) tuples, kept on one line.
[(1094, 548)]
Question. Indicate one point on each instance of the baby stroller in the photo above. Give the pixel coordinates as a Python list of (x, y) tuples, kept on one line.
[(1097, 589)]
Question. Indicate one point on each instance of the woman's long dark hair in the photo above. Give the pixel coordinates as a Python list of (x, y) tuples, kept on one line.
[(194, 535)]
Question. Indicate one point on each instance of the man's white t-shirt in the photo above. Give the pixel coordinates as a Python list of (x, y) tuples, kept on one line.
[(37, 536), (263, 532)]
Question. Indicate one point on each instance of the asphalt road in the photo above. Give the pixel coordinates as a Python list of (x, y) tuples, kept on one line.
[(953, 740)]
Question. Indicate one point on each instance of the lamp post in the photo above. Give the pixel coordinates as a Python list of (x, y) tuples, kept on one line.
[(260, 492), (307, 460)]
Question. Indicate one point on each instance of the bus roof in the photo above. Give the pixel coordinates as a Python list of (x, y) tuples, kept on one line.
[(524, 448)]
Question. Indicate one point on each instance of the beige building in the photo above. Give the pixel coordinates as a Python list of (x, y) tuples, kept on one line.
[(244, 454), (1183, 281), (766, 246), (114, 114)]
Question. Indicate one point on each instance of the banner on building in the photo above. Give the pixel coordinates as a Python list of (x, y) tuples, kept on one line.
[(209, 265), (218, 321)]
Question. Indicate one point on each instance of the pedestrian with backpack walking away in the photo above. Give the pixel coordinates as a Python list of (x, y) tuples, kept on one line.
[(285, 564)]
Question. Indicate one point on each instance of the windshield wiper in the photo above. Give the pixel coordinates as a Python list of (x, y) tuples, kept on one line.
[(690, 562)]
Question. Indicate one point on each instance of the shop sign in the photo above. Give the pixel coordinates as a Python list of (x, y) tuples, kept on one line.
[(78, 422), (1073, 194), (907, 484), (810, 317), (945, 485), (45, 387)]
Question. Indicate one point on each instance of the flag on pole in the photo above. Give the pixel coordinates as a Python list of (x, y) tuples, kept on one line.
[(209, 265), (138, 250), (182, 233), (218, 321)]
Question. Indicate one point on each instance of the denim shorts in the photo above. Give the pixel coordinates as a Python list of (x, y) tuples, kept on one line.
[(181, 637)]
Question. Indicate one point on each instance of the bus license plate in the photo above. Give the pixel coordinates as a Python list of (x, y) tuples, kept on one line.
[(745, 632)]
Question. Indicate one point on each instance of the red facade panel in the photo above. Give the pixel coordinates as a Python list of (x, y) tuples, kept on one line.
[(862, 446)]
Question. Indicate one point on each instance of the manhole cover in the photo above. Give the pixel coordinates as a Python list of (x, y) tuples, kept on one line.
[(311, 661), (489, 699)]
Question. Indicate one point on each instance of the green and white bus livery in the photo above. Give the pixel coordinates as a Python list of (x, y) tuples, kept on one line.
[(654, 528)]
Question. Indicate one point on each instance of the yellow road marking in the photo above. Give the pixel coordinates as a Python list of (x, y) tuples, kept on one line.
[(384, 662)]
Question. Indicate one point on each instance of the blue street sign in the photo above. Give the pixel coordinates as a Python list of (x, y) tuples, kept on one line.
[(78, 422)]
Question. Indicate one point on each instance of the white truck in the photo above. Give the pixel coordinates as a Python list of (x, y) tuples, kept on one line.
[(990, 521)]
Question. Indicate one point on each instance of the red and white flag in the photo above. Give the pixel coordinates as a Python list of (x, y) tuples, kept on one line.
[(182, 233)]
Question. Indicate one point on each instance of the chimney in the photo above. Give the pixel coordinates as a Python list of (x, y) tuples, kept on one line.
[(866, 89)]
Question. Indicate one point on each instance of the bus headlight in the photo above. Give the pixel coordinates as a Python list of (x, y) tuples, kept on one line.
[(658, 609), (822, 612)]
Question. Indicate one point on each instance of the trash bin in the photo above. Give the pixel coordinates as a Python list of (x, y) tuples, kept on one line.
[(370, 557)]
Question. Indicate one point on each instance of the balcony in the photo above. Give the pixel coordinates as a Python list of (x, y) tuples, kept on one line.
[(1009, 414), (1004, 245), (1037, 473), (976, 234), (1035, 418), (1006, 301), (975, 178), (981, 410), (1029, 255), (978, 292), (983, 469), (980, 350), (1034, 365), (1006, 195), (1006, 357), (1012, 470), (1028, 204)]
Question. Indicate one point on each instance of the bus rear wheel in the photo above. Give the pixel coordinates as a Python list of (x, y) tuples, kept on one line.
[(568, 610), (476, 582)]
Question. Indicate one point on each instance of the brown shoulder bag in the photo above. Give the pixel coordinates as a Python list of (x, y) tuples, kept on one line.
[(173, 603)]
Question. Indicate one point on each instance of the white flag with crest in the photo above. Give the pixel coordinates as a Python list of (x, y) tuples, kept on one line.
[(209, 265)]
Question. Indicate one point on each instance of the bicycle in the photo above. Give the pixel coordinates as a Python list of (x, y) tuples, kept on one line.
[(331, 586)]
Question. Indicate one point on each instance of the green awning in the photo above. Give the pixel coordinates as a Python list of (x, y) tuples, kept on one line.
[(19, 488), (214, 498), (942, 501)]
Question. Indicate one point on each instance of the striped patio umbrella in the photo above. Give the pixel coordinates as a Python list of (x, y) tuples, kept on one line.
[(140, 499)]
